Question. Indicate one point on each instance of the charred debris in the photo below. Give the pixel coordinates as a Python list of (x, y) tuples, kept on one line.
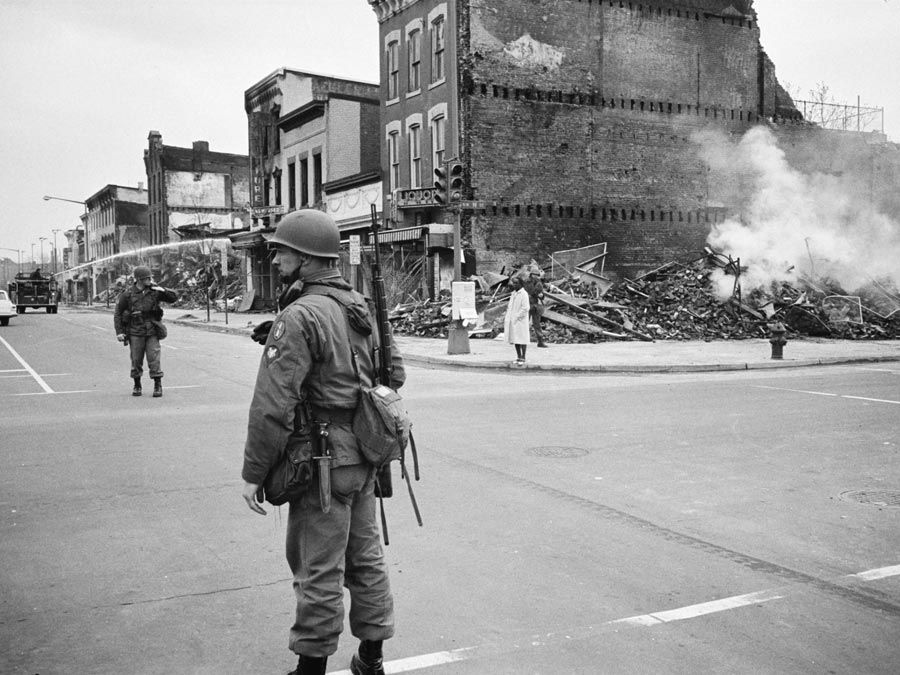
[(676, 301)]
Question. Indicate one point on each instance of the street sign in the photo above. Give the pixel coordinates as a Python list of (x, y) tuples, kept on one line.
[(354, 249), (263, 211), (472, 204)]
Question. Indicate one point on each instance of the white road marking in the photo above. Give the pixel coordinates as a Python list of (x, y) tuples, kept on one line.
[(74, 391), (825, 393), (37, 378), (880, 573), (13, 370), (103, 328), (693, 611), (435, 659)]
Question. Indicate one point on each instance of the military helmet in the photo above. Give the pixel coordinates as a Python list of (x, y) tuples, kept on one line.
[(141, 271), (308, 231)]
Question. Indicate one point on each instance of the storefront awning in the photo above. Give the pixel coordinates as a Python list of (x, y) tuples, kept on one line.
[(402, 234)]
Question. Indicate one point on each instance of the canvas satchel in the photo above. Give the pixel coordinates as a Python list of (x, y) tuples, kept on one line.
[(381, 424)]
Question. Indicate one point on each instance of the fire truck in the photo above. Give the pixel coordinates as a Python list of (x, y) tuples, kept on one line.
[(34, 290)]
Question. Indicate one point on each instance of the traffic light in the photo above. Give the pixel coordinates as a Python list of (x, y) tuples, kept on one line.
[(448, 184), (440, 185), (455, 186)]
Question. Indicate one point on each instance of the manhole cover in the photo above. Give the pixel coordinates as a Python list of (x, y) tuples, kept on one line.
[(873, 497), (557, 451)]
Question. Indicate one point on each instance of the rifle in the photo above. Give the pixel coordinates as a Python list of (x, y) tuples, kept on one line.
[(384, 483)]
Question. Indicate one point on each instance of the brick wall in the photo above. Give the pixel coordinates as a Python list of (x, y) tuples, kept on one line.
[(578, 117)]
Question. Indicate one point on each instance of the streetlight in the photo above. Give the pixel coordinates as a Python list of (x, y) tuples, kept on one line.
[(63, 199), (32, 254), (43, 239), (55, 251), (86, 242)]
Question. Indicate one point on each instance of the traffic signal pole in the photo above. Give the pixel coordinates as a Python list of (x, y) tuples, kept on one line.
[(448, 183)]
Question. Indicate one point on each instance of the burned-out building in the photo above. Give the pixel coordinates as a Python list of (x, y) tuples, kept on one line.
[(574, 119), (194, 186)]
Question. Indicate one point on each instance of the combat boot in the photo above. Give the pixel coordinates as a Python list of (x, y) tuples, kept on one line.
[(368, 660), (137, 387), (157, 387), (310, 665)]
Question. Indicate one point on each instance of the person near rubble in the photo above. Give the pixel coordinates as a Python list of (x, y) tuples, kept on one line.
[(515, 325), (535, 289), (319, 350), (138, 322)]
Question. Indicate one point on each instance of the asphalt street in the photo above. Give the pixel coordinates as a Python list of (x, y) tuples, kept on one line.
[(699, 522)]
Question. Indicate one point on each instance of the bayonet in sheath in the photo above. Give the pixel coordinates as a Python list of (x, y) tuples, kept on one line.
[(323, 465)]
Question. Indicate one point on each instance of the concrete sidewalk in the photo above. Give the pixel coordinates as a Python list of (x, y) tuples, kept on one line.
[(608, 357)]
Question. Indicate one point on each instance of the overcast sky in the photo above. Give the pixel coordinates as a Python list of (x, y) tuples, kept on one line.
[(84, 81)]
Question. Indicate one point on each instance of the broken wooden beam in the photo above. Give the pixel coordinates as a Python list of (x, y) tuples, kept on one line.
[(575, 324), (563, 300)]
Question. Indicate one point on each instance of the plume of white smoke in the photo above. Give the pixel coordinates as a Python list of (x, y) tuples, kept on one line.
[(793, 224)]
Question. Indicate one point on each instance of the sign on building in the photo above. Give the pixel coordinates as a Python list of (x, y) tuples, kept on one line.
[(354, 249)]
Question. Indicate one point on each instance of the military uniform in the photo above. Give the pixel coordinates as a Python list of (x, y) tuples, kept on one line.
[(535, 289), (136, 310), (307, 354)]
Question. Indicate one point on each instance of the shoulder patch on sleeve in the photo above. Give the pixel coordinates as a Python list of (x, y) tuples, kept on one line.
[(272, 354), (279, 330)]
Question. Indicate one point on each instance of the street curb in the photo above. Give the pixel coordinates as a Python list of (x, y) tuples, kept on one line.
[(436, 363), (442, 363)]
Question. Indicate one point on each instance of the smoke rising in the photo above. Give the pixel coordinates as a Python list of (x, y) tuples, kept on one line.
[(792, 224)]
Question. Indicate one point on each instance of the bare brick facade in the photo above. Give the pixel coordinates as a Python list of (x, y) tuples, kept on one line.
[(575, 120)]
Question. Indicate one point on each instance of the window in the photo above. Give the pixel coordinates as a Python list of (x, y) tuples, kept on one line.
[(393, 58), (292, 186), (438, 125), (317, 178), (276, 176), (304, 182), (413, 50), (415, 158), (267, 185), (394, 159), (437, 49)]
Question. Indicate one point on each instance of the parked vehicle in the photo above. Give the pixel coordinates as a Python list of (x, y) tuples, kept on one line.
[(34, 290), (7, 309)]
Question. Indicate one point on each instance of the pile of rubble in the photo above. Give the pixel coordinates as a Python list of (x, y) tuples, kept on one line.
[(673, 302), (195, 278)]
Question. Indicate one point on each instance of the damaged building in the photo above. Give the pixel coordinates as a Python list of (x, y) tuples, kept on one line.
[(574, 122)]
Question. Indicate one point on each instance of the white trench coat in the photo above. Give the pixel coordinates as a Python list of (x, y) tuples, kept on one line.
[(516, 323)]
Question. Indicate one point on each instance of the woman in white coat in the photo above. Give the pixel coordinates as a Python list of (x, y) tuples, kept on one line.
[(516, 323)]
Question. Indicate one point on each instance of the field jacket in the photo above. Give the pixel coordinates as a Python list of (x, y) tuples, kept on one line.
[(136, 309), (308, 355)]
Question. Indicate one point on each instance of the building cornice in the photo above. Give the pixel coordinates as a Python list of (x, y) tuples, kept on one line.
[(385, 9), (353, 181)]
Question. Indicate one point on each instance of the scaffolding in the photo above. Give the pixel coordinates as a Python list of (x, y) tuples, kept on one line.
[(842, 116)]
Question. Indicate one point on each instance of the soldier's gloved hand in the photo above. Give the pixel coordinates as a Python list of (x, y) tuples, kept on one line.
[(120, 337), (261, 332)]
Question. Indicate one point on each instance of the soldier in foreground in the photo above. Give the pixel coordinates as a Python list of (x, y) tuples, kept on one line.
[(307, 379), (138, 322)]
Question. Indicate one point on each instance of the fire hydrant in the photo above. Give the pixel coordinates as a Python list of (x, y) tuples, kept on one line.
[(778, 341)]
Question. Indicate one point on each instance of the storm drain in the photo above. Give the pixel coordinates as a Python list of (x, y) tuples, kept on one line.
[(873, 497), (557, 451)]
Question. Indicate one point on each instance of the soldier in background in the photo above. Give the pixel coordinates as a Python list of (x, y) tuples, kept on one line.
[(535, 288), (138, 322)]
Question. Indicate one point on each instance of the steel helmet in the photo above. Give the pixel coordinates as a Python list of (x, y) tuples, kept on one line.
[(308, 231), (141, 271)]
